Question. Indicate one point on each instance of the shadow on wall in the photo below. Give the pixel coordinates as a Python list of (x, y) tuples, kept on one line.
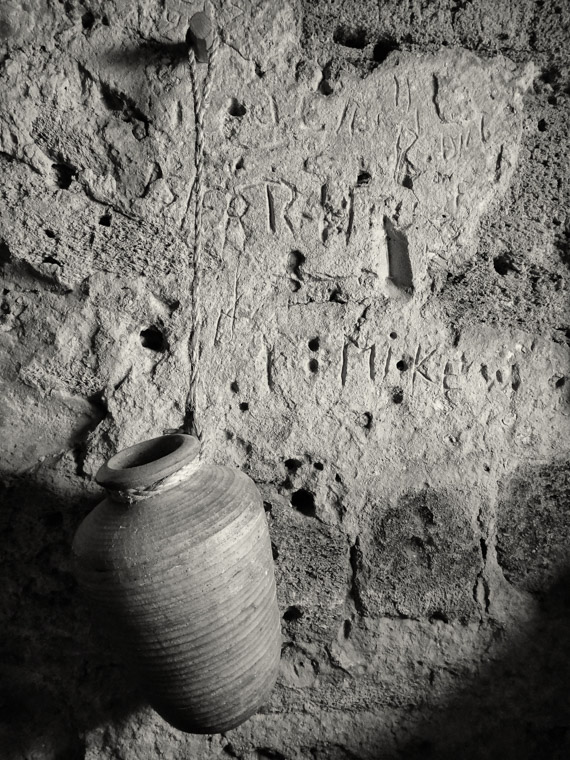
[(56, 678), (518, 708)]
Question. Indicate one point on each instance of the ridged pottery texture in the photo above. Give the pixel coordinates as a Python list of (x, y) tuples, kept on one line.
[(177, 563)]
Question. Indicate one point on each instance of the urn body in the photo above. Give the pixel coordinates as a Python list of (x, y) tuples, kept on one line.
[(178, 566)]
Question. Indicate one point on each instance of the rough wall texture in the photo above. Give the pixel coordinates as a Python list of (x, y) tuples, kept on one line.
[(383, 328)]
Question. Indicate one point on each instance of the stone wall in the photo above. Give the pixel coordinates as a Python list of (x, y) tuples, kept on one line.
[(381, 331)]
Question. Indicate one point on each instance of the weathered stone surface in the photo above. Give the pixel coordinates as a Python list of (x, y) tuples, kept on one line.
[(533, 526), (381, 329)]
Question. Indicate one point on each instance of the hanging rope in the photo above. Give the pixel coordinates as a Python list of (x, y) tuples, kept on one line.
[(200, 106)]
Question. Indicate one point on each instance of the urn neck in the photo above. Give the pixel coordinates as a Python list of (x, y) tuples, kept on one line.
[(150, 467)]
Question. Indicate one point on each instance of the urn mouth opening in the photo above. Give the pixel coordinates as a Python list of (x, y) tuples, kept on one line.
[(145, 453), (149, 462)]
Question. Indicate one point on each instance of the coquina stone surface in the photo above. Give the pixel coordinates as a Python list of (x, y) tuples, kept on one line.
[(381, 330)]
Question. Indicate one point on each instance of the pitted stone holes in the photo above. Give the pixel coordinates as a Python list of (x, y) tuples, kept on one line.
[(383, 48), (293, 465), (337, 478), (402, 365), (244, 406), (337, 296), (105, 220), (542, 127), (50, 233), (318, 466), (314, 344), (236, 109), (234, 387), (153, 339), (313, 366), (397, 395), (393, 335), (51, 260), (325, 87), (5, 254), (503, 265), (304, 502), (363, 179), (352, 38), (292, 613), (64, 175), (296, 261), (87, 20), (560, 382)]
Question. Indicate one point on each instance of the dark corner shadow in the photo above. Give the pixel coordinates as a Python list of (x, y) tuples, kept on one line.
[(518, 706), (58, 678)]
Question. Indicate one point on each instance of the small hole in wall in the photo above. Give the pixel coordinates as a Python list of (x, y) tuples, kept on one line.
[(503, 265), (304, 502), (105, 220), (542, 125), (408, 182), (294, 285), (274, 552), (87, 20), (337, 296), (393, 335), (236, 108), (314, 366), (314, 344), (64, 174), (268, 507), (292, 613), (337, 478), (325, 87), (234, 387), (319, 466), (244, 406), (293, 464), (363, 179), (50, 233), (383, 48), (5, 254), (295, 262), (560, 382), (352, 38), (402, 365), (51, 260), (259, 71), (153, 339), (397, 395)]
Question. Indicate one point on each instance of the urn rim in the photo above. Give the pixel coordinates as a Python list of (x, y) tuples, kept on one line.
[(148, 462)]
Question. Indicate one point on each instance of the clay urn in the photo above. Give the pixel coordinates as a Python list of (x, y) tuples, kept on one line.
[(177, 565)]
